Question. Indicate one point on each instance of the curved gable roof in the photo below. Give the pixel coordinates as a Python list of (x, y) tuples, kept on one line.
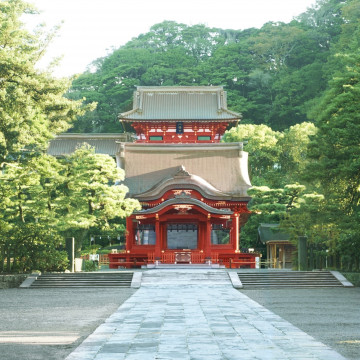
[(219, 167), (185, 200), (181, 178)]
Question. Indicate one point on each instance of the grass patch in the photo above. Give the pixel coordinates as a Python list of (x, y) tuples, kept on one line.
[(353, 277)]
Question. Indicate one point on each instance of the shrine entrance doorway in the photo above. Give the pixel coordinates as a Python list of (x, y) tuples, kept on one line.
[(181, 236)]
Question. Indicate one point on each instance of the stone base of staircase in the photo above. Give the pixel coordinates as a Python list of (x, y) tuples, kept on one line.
[(183, 266)]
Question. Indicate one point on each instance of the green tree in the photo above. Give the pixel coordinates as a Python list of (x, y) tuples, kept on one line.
[(277, 161), (261, 144), (43, 200), (28, 233), (270, 206), (33, 108), (293, 155), (90, 197), (273, 75), (335, 147)]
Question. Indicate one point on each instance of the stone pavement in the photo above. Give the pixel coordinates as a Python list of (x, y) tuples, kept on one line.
[(196, 314)]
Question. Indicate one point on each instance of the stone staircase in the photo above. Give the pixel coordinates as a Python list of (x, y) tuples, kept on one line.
[(83, 280), (190, 277), (285, 279)]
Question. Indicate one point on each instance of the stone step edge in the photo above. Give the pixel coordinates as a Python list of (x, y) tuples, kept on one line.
[(30, 280), (335, 276)]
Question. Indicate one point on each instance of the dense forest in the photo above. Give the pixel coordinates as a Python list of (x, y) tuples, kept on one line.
[(297, 86), (273, 75)]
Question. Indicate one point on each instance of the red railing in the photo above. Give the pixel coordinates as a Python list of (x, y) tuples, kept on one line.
[(103, 258), (168, 257)]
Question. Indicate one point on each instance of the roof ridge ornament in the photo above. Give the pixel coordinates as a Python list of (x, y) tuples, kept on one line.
[(183, 195), (182, 172)]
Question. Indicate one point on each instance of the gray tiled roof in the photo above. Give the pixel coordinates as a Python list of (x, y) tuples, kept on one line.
[(186, 103), (271, 232), (66, 144), (221, 165)]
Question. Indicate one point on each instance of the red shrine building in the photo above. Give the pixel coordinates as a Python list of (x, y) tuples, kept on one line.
[(192, 187)]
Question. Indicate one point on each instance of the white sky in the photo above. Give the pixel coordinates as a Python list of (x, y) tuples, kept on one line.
[(92, 28)]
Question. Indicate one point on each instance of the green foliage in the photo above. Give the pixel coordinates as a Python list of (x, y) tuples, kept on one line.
[(33, 108), (89, 195), (324, 156), (42, 198), (276, 161), (29, 246), (90, 266), (335, 148), (354, 278), (261, 144), (275, 158), (71, 196)]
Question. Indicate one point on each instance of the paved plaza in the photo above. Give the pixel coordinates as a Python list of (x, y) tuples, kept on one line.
[(196, 315)]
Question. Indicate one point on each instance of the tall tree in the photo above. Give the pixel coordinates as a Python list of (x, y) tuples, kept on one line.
[(260, 141), (335, 149), (33, 108), (43, 199), (90, 197)]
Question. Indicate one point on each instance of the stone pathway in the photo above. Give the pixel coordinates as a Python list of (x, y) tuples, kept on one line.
[(197, 315)]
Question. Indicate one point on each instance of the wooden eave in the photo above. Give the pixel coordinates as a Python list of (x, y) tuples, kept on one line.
[(184, 200)]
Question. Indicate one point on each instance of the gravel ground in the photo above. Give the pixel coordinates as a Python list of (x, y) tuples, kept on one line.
[(331, 316), (48, 324)]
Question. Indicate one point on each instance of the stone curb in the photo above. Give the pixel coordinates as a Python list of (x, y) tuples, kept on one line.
[(345, 282), (29, 280), (136, 280), (235, 280)]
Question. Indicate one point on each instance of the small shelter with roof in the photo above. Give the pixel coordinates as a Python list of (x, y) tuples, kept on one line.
[(278, 246)]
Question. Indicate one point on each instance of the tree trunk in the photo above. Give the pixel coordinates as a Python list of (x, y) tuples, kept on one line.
[(8, 261)]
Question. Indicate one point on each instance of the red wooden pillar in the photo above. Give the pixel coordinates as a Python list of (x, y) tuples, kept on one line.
[(158, 239), (129, 233), (207, 244), (235, 232)]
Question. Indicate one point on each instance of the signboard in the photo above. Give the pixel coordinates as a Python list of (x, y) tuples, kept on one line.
[(179, 127), (94, 257)]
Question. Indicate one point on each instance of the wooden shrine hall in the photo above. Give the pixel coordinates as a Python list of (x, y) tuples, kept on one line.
[(192, 188)]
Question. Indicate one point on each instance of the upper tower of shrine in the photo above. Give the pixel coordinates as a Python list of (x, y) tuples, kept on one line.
[(183, 114)]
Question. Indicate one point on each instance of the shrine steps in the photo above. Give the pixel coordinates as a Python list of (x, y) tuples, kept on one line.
[(190, 275), (277, 279), (82, 280), (183, 266)]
